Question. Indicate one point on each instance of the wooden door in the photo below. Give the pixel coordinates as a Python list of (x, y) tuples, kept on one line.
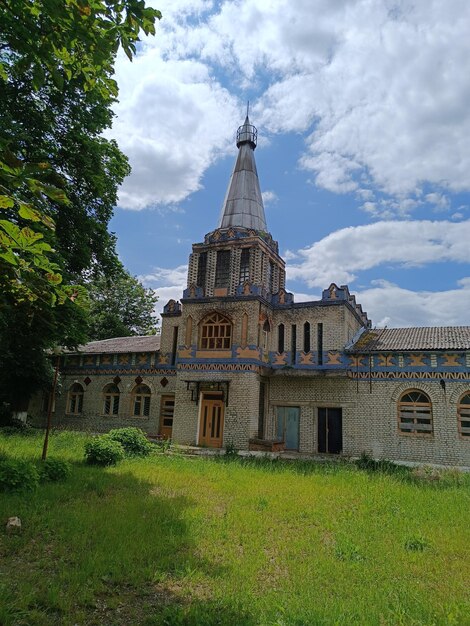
[(330, 430), (166, 416), (211, 430)]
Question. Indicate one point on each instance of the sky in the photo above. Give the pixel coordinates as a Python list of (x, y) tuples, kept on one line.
[(363, 116)]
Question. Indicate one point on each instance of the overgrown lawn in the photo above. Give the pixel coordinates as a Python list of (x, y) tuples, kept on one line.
[(175, 540)]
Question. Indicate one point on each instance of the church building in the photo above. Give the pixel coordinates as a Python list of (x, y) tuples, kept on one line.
[(239, 364)]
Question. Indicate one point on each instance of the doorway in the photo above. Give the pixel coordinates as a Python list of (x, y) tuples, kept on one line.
[(330, 430), (288, 419), (211, 429)]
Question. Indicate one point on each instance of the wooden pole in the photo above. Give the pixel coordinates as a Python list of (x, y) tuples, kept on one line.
[(49, 410)]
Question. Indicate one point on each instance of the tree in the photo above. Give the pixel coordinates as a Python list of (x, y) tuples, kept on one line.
[(120, 307), (58, 175)]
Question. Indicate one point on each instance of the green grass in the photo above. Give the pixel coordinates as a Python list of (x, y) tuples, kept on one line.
[(175, 540)]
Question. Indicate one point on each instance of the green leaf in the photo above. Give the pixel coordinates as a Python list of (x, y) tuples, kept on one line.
[(9, 257), (6, 202)]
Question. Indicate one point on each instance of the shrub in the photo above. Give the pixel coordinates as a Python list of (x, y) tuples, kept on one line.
[(133, 440), (15, 427), (103, 451), (230, 450), (54, 470), (18, 475), (367, 463)]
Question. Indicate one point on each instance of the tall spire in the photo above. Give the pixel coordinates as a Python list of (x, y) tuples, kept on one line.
[(243, 204)]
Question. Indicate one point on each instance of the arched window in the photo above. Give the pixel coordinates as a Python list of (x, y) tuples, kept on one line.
[(463, 414), (266, 331), (141, 401), (75, 403), (111, 399), (307, 337), (280, 338), (215, 333), (414, 413)]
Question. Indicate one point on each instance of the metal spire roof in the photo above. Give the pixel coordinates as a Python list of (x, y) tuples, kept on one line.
[(243, 204)]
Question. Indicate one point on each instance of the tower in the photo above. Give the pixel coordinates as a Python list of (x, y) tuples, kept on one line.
[(239, 257)]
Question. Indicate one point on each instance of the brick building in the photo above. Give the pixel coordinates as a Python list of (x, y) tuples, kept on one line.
[(240, 363)]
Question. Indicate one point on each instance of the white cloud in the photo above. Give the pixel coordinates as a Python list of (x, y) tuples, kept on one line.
[(269, 197), (172, 122), (394, 306), (342, 254), (168, 284), (377, 89)]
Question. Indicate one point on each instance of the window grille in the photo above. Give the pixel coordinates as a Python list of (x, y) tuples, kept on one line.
[(463, 413), (216, 333), (111, 400), (222, 269), (244, 266), (141, 401), (75, 406), (414, 413)]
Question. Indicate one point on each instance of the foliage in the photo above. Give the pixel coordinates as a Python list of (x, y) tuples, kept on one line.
[(18, 475), (231, 450), (103, 450), (133, 440), (54, 470), (366, 462), (120, 307), (58, 174)]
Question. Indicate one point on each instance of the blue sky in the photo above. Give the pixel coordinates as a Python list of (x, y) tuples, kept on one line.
[(362, 109)]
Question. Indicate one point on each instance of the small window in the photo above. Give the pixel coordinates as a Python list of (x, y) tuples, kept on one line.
[(75, 403), (222, 269), (280, 338), (201, 270), (244, 266), (307, 337), (463, 413), (414, 413), (216, 333), (141, 401), (111, 400), (320, 343), (266, 331)]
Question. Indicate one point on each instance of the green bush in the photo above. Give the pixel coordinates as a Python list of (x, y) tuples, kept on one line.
[(18, 475), (133, 440), (54, 470), (103, 450)]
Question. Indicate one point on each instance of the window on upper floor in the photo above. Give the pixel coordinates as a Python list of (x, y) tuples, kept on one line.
[(141, 401), (222, 269), (244, 266), (202, 270), (307, 337), (215, 333), (280, 338), (111, 396), (75, 400), (415, 413), (463, 415)]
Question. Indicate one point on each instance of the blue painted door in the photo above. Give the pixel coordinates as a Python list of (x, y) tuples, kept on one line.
[(288, 419)]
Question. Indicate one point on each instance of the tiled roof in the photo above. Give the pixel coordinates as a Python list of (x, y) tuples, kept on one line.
[(419, 338), (147, 343)]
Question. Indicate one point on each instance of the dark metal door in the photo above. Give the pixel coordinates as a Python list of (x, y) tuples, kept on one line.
[(330, 430)]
